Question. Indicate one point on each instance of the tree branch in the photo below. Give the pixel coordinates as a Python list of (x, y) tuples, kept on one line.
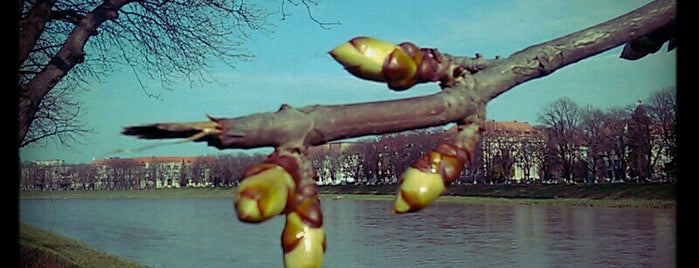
[(71, 54), (543, 59), (486, 79), (31, 27)]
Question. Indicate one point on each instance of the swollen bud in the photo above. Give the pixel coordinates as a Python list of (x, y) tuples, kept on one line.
[(377, 60), (303, 239), (428, 178), (418, 189), (263, 192)]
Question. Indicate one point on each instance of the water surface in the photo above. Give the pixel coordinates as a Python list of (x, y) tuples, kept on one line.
[(363, 233)]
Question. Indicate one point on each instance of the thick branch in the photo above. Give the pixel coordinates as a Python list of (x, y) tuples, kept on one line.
[(318, 124), (31, 27)]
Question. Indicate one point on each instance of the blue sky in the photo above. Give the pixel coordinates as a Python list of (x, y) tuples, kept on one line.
[(291, 65)]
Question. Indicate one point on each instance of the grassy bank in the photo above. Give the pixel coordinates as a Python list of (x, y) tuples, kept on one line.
[(41, 248), (607, 195), (218, 192), (614, 195)]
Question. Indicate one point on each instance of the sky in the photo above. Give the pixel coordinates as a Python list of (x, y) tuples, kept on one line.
[(292, 66)]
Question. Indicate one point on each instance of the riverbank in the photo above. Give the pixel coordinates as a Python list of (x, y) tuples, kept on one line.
[(41, 248), (613, 195)]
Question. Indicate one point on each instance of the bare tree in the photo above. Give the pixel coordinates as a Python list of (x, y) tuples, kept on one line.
[(529, 153), (227, 169), (562, 119), (85, 176), (615, 142), (475, 171), (160, 40), (368, 159), (502, 147), (662, 110), (329, 166), (121, 173), (640, 152), (591, 127)]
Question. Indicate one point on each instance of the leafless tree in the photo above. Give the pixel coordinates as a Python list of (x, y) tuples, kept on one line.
[(591, 127), (475, 171), (528, 153), (502, 150), (121, 172), (562, 120), (662, 110), (329, 165), (640, 153), (615, 142), (366, 149), (85, 176), (199, 170), (227, 169), (89, 39)]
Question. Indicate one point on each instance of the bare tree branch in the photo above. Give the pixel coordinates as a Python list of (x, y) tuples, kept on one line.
[(307, 4), (70, 54), (318, 124), (543, 59)]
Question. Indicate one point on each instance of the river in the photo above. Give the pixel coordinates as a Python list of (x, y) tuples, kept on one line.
[(364, 233)]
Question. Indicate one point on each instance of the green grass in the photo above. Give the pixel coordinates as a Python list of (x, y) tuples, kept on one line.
[(604, 195), (41, 248), (610, 195), (218, 192)]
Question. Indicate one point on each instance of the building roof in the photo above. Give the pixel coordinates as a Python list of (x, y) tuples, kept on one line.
[(155, 159), (504, 127), (328, 148)]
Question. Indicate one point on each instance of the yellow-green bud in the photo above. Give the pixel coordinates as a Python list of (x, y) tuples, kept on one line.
[(303, 245), (377, 60), (264, 193), (418, 189)]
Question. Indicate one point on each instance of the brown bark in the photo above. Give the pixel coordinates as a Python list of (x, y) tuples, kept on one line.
[(487, 79), (70, 54), (31, 27)]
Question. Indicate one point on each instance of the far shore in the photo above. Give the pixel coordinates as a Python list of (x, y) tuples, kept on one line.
[(647, 196)]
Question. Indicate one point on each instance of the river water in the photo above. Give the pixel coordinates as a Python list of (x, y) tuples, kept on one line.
[(361, 233)]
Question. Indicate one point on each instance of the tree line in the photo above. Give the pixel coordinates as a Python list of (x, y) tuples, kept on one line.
[(572, 143)]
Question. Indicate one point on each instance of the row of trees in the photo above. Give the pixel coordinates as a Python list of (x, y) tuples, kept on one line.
[(630, 143), (573, 143), (125, 173)]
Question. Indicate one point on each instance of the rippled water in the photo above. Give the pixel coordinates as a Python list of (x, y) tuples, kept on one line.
[(362, 233)]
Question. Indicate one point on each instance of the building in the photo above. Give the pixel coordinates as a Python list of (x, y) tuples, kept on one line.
[(335, 163), (157, 171), (512, 151)]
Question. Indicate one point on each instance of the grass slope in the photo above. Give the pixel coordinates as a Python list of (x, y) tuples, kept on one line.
[(41, 248)]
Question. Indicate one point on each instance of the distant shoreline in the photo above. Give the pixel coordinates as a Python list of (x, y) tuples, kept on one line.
[(606, 195)]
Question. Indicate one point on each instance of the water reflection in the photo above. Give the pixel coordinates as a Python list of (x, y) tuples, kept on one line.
[(205, 232)]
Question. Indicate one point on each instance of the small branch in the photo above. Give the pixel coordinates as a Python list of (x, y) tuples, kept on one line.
[(307, 4), (543, 59)]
